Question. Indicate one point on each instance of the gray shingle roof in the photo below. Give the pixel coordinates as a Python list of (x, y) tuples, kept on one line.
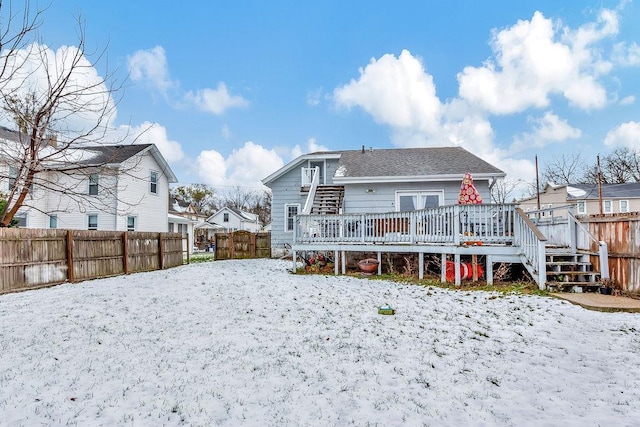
[(609, 191), (111, 154), (412, 162)]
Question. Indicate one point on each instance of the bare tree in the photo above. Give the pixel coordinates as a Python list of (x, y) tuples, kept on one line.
[(565, 170), (202, 196), (504, 191), (254, 201), (60, 108), (620, 166)]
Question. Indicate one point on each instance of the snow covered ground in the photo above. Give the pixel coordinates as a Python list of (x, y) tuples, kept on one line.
[(247, 343)]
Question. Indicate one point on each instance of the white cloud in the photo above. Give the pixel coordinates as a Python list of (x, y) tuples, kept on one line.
[(312, 147), (625, 135), (244, 167), (314, 97), (627, 54), (84, 103), (531, 64), (225, 131), (215, 101), (152, 133), (628, 100), (546, 129), (151, 65), (394, 91)]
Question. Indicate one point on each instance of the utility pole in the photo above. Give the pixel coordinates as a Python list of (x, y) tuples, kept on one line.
[(599, 184), (537, 184)]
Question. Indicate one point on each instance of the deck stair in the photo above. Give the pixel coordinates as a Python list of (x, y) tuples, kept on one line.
[(328, 199), (568, 271)]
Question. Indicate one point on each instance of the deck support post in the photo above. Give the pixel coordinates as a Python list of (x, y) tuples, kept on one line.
[(456, 263), (294, 257), (489, 270), (420, 265), (542, 265), (443, 269), (379, 263), (335, 262), (344, 263)]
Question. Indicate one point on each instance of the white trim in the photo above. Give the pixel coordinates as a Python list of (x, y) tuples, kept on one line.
[(157, 183), (620, 206), (419, 194), (295, 163), (286, 216), (417, 178), (97, 221)]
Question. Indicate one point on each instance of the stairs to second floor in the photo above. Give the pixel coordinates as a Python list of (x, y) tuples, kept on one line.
[(566, 270), (328, 199)]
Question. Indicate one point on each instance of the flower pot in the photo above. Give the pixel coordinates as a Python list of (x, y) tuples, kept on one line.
[(605, 290), (368, 265)]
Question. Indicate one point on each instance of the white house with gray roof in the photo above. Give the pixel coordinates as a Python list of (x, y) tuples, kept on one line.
[(110, 187), (371, 181), (231, 219), (585, 198)]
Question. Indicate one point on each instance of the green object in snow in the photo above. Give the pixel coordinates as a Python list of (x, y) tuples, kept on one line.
[(385, 309)]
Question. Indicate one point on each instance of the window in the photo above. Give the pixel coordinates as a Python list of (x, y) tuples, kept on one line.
[(413, 200), (624, 206), (92, 222), (582, 207), (154, 182), (225, 217), (607, 206), (131, 223), (170, 227), (13, 175), (93, 184), (22, 219), (290, 211), (53, 221)]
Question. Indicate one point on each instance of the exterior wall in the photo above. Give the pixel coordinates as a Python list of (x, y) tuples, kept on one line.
[(134, 189), (555, 197), (286, 190), (558, 197), (120, 195), (359, 199), (235, 222)]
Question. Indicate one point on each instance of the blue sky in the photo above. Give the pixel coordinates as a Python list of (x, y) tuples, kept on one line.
[(234, 90)]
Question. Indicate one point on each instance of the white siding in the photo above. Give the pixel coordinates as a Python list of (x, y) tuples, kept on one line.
[(119, 196)]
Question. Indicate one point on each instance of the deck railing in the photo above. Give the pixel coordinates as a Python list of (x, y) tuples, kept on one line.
[(533, 245), (454, 224)]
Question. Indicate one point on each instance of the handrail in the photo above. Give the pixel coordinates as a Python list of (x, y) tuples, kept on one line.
[(533, 245), (603, 250), (308, 204)]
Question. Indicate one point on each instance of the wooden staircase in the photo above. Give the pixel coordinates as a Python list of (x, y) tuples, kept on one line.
[(567, 271), (328, 199)]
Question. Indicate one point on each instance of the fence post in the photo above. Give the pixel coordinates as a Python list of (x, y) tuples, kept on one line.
[(125, 252), (161, 250), (230, 243), (70, 274), (603, 253), (252, 245)]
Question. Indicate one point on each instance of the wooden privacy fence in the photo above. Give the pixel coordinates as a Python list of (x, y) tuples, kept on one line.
[(243, 244), (33, 258), (622, 235)]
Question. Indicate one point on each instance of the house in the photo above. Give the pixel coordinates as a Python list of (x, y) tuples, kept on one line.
[(369, 182), (585, 198), (232, 219), (114, 187)]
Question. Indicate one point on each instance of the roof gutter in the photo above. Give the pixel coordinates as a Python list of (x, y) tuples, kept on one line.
[(417, 178)]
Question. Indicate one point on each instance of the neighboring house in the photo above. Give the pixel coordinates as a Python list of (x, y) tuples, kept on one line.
[(231, 219), (185, 209), (616, 198), (371, 181), (120, 187), (184, 226)]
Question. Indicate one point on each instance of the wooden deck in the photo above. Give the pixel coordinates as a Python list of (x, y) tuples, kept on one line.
[(501, 232)]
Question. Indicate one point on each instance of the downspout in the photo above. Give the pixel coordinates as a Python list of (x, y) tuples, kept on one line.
[(493, 182), (115, 214)]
